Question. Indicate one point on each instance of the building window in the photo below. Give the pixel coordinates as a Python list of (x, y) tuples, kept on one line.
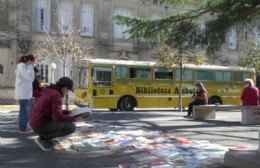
[(23, 11), (156, 16), (203, 32), (86, 19), (1, 69), (65, 17), (42, 10), (233, 39), (44, 72), (2, 5), (119, 29), (257, 38)]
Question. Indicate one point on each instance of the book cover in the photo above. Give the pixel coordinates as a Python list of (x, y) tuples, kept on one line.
[(86, 111)]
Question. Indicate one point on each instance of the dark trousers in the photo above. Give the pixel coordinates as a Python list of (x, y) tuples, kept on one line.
[(53, 129), (194, 103)]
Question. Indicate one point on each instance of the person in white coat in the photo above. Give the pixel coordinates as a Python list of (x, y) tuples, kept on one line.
[(23, 90)]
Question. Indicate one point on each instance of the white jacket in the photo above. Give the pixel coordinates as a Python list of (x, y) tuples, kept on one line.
[(23, 81)]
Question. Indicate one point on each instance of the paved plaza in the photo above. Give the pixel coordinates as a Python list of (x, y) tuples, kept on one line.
[(19, 150)]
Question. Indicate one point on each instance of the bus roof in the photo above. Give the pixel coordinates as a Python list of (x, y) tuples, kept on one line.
[(158, 64)]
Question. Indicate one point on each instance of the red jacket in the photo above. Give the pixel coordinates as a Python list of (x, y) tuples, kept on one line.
[(49, 107), (250, 96)]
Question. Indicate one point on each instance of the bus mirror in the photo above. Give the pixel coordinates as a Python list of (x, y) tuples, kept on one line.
[(92, 72)]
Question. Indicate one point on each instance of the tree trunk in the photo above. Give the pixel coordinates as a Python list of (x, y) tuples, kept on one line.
[(64, 74), (180, 84)]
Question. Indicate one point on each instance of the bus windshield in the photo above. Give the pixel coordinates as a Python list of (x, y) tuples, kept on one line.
[(83, 78)]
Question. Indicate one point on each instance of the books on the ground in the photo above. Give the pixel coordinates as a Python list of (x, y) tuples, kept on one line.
[(162, 164), (85, 111)]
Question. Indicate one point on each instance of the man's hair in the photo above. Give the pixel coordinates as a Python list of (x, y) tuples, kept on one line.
[(65, 82)]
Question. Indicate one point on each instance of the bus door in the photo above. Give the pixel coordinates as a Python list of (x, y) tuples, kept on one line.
[(163, 82), (83, 92), (102, 91)]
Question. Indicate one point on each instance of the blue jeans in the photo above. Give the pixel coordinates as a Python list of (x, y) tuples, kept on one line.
[(24, 113)]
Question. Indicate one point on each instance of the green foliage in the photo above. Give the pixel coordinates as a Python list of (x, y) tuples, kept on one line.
[(251, 57), (181, 30)]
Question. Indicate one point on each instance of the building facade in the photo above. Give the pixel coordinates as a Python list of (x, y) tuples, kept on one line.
[(26, 22)]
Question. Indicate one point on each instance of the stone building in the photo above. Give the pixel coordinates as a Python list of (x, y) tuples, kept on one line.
[(23, 22)]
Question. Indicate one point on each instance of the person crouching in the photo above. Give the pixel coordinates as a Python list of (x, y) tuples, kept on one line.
[(48, 120)]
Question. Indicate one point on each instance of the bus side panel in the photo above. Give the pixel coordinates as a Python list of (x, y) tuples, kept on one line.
[(228, 93), (147, 102), (104, 98)]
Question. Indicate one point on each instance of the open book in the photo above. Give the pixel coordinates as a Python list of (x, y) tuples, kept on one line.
[(86, 111)]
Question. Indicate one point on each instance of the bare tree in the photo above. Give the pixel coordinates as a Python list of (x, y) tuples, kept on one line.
[(63, 42), (172, 57), (65, 48)]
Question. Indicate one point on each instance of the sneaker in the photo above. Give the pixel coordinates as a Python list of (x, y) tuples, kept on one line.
[(25, 131), (44, 144)]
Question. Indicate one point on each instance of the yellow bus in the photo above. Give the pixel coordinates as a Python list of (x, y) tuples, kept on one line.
[(124, 84)]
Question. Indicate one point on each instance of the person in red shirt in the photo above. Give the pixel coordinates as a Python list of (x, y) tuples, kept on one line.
[(48, 119), (250, 94)]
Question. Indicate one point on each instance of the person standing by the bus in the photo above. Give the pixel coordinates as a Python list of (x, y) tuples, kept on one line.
[(250, 94), (23, 90), (200, 99)]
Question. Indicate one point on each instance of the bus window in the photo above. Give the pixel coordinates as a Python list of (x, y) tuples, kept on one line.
[(83, 78), (246, 75), (222, 76), (162, 73), (121, 72), (140, 73), (102, 76), (188, 74), (204, 75), (237, 76)]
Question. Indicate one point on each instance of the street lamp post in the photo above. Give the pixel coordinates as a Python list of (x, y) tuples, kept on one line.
[(53, 67)]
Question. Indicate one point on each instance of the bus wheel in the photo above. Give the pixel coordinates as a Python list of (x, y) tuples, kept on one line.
[(214, 100), (127, 104)]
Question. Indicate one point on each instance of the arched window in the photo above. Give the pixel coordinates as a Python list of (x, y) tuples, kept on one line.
[(1, 69)]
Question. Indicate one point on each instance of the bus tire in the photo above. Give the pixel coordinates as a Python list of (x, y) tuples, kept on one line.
[(215, 100), (127, 103)]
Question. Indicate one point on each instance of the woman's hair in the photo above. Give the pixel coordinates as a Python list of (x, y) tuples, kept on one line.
[(250, 81), (25, 58), (200, 85)]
